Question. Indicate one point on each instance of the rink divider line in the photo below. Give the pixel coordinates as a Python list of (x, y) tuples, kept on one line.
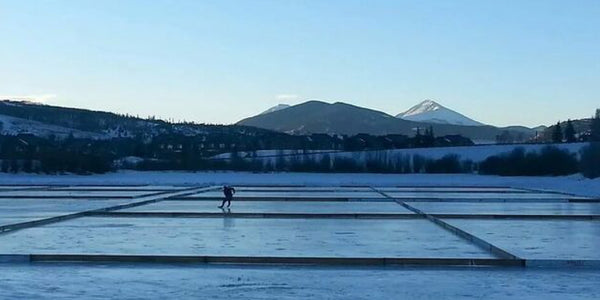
[(300, 215), (590, 200), (294, 260), (29, 224), (382, 199), (489, 200), (309, 191), (28, 189), (350, 189), (481, 243), (116, 189), (282, 199), (557, 192), (517, 217), (251, 215), (258, 260), (148, 193), (75, 197)]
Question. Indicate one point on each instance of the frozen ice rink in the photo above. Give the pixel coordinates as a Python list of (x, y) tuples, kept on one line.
[(297, 241)]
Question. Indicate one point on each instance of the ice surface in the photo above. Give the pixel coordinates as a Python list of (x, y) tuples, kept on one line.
[(274, 207), (575, 184), (119, 188), (243, 237), (451, 189), (116, 281), (21, 210), (67, 194), (543, 239), (510, 208), (467, 196), (19, 187)]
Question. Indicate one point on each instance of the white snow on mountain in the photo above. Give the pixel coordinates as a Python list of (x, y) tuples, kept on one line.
[(275, 108), (432, 112)]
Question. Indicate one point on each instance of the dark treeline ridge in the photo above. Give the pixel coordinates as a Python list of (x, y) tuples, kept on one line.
[(549, 161), (176, 151)]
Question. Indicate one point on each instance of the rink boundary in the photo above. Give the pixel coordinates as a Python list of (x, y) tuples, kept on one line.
[(258, 260), (283, 215), (299, 261)]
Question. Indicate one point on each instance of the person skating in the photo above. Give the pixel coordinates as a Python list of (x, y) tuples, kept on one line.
[(228, 191)]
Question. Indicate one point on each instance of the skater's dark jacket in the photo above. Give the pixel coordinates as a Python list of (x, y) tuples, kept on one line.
[(228, 191)]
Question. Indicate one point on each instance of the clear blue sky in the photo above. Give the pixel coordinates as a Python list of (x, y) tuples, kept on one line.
[(499, 62)]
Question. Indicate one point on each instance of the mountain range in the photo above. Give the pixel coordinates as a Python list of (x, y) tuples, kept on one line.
[(302, 119), (346, 119)]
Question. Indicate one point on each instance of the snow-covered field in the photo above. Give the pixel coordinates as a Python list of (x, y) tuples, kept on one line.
[(575, 184)]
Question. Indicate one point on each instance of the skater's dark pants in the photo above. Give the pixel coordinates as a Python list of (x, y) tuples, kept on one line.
[(228, 200)]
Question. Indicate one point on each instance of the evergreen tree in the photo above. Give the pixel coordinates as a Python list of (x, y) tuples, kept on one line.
[(595, 127), (429, 137), (418, 138), (570, 132), (557, 135)]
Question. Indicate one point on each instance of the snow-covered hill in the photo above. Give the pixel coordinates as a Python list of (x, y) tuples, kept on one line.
[(430, 111), (13, 126), (18, 117), (275, 108)]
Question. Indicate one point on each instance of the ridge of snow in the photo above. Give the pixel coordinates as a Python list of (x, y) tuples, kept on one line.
[(430, 111)]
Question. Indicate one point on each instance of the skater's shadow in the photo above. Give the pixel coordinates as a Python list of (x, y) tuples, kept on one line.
[(228, 221)]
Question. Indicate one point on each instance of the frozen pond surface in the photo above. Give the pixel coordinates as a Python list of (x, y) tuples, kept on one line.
[(243, 237), (67, 194), (110, 281), (274, 207), (509, 208), (19, 187), (543, 239), (277, 194), (21, 210), (322, 237), (451, 189), (119, 188), (467, 195)]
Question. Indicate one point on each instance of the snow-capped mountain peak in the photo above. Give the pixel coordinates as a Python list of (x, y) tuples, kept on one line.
[(275, 108), (423, 107), (430, 111)]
